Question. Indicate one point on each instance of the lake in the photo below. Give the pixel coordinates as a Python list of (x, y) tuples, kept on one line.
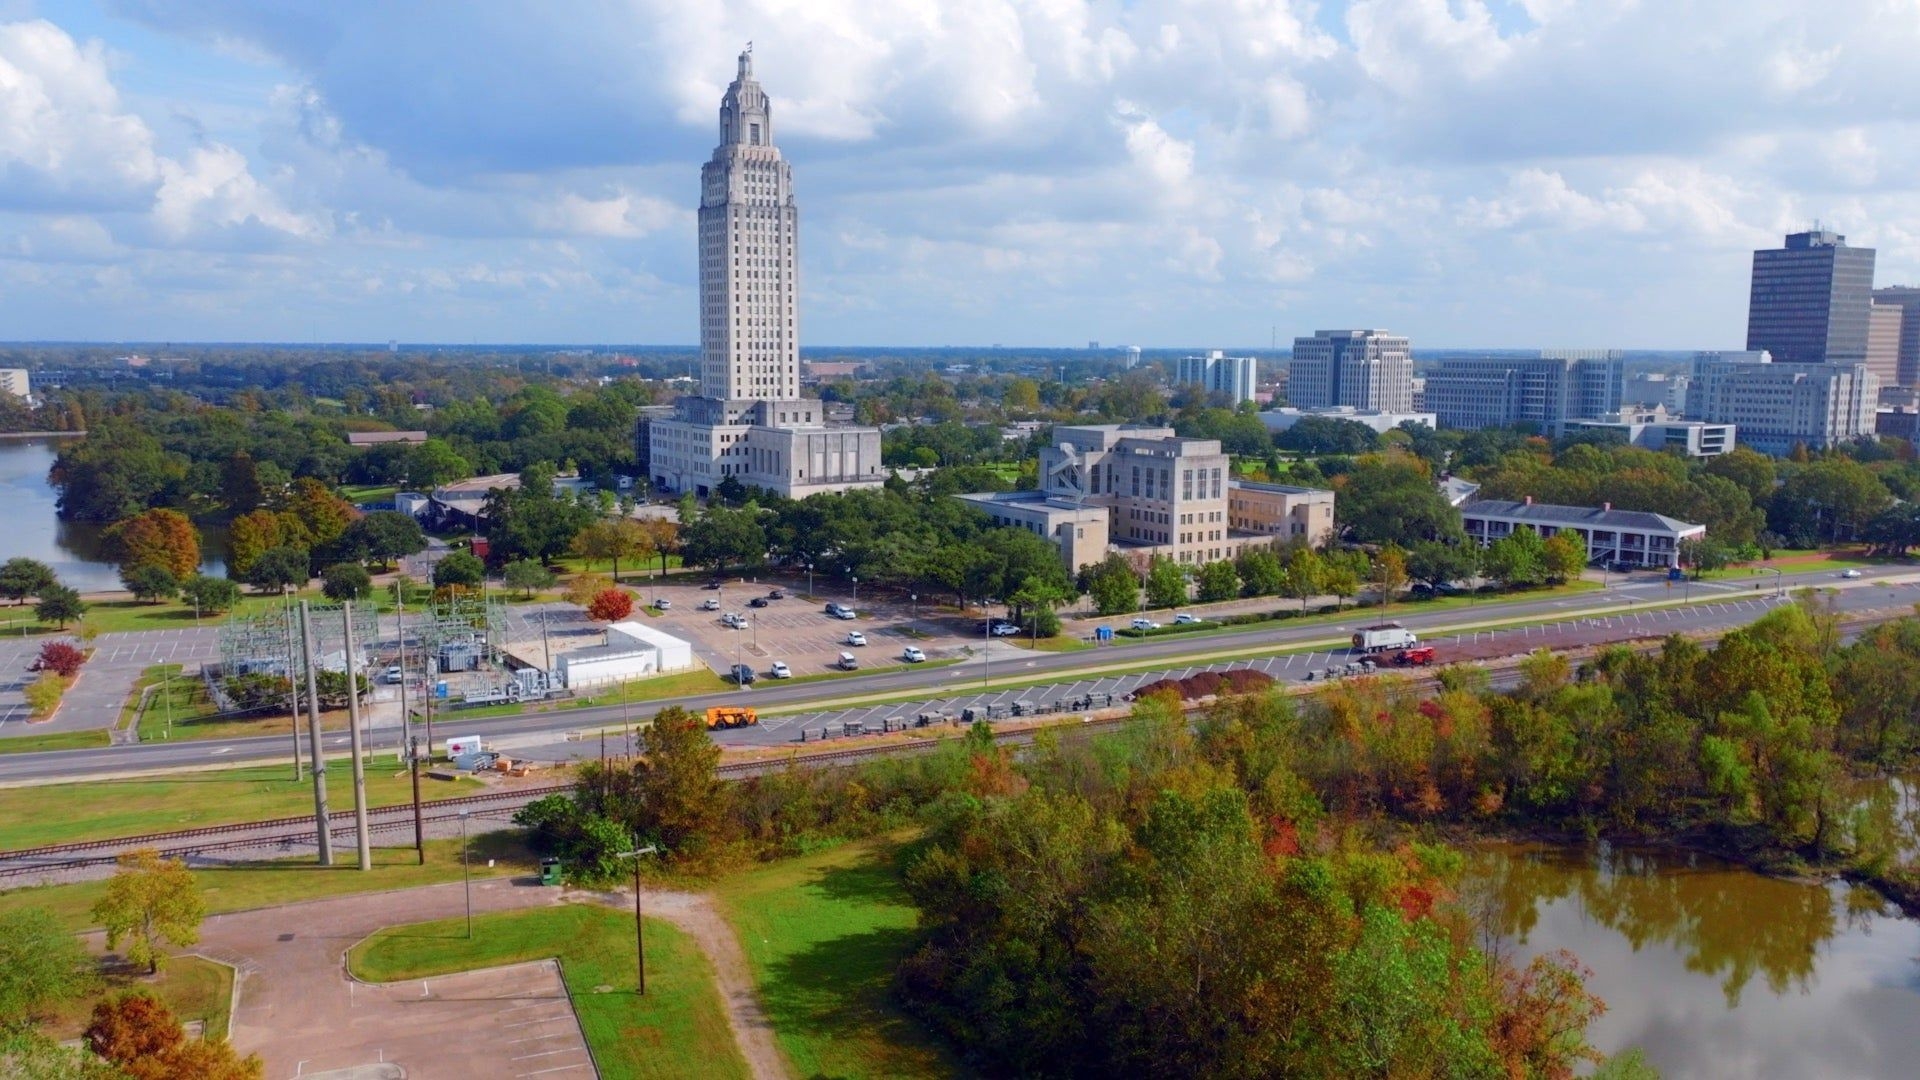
[(72, 548), (1713, 970)]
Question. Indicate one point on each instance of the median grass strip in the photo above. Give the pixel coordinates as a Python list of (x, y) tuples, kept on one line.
[(193, 987), (247, 885), (823, 934), (51, 740), (678, 1030), (95, 809)]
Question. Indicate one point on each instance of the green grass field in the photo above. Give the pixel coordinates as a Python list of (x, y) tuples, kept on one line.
[(63, 813), (11, 743), (678, 1030), (194, 988), (179, 708), (245, 886), (823, 934)]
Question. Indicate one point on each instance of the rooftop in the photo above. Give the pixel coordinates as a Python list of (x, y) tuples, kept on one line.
[(1588, 516)]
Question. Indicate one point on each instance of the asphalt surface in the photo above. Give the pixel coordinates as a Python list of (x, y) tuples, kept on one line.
[(1881, 588)]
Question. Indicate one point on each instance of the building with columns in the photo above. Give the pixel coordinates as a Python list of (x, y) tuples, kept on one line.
[(749, 421)]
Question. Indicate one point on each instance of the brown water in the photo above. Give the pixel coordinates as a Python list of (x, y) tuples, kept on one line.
[(1712, 970)]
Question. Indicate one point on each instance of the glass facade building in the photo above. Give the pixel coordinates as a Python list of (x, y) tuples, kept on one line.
[(1811, 300)]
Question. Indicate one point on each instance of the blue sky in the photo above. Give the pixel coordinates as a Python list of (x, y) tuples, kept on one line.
[(1161, 172)]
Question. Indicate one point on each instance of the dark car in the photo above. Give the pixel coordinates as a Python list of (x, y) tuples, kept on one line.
[(742, 674), (758, 601), (777, 594), (711, 585)]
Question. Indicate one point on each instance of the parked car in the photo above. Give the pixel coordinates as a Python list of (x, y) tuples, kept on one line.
[(711, 585), (846, 613), (855, 637), (848, 662), (1184, 619), (733, 619), (912, 655), (394, 674), (758, 601), (1849, 573), (780, 670), (742, 675), (1005, 629), (777, 594), (709, 604), (1145, 624)]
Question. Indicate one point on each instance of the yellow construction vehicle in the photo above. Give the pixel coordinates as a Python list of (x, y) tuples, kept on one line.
[(730, 716)]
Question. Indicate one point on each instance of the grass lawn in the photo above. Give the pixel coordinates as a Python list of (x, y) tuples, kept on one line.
[(678, 1030), (1057, 643), (244, 886), (62, 813), (21, 622), (823, 934), (179, 709), (11, 743), (364, 493), (130, 615), (194, 988)]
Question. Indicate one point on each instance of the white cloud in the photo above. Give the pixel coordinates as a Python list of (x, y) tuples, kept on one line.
[(66, 140)]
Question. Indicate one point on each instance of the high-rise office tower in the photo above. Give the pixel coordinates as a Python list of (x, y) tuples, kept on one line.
[(1811, 300), (750, 422), (1362, 369), (1217, 372), (1907, 299)]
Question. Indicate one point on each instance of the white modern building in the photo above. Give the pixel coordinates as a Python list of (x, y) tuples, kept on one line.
[(633, 651), (1654, 430), (1219, 373), (1612, 536), (1360, 369), (1279, 420), (750, 422), (1776, 406), (1547, 391)]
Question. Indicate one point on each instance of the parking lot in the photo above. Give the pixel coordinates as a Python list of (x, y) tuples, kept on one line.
[(798, 631)]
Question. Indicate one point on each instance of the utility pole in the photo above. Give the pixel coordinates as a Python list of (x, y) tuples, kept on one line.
[(315, 755), (361, 837), (419, 836), (639, 933), (406, 720), (293, 692)]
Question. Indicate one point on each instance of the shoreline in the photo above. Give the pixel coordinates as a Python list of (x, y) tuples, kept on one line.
[(10, 436)]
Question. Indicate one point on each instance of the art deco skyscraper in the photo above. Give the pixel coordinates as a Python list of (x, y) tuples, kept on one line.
[(749, 333)]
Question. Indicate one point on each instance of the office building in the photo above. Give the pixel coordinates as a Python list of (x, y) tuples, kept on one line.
[(15, 381), (749, 421), (1612, 536), (1360, 369), (1884, 323), (1279, 420), (1775, 406), (1810, 300), (1078, 529), (1655, 430), (1547, 391), (1282, 510), (1907, 367), (1219, 373)]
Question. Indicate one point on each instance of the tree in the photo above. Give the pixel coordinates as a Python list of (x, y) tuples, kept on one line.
[(611, 540), (240, 486), (1389, 575), (42, 963), (610, 605), (1564, 555), (583, 588), (1218, 581), (722, 537), (527, 575), (1261, 572), (434, 463), (210, 595), (155, 538), (1327, 435), (1517, 559), (1166, 583), (59, 605), (251, 534), (1704, 554), (1438, 563), (149, 581), (23, 577), (323, 514), (459, 568), (1392, 497), (1114, 587), (280, 568), (1306, 575), (117, 471), (140, 1035), (61, 658), (683, 804), (1342, 575), (385, 535), (346, 581), (150, 900)]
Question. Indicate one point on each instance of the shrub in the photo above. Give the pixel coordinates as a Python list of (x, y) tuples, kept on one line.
[(610, 605), (43, 694), (61, 658)]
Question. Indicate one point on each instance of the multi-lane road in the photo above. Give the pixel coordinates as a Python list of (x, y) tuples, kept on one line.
[(1638, 608)]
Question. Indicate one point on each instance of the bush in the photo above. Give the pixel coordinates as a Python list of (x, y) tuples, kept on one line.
[(610, 605), (43, 694), (61, 658), (1046, 622)]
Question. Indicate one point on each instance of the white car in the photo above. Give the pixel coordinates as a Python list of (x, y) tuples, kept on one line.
[(663, 604), (780, 670), (1184, 619), (846, 613), (855, 637), (1849, 573), (394, 674), (912, 655), (734, 620), (1145, 624), (709, 604)]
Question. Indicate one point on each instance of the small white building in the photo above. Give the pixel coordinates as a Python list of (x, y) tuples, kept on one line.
[(1634, 537), (1279, 420), (633, 651)]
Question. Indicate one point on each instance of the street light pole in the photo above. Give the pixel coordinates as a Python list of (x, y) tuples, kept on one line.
[(639, 933), (464, 875), (809, 581), (856, 590)]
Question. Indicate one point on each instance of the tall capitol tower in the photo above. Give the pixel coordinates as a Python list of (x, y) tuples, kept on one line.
[(750, 422), (748, 339)]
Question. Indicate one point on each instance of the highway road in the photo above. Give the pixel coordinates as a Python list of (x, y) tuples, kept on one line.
[(1892, 589)]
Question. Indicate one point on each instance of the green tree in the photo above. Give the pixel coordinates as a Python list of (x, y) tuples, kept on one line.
[(42, 964), (1389, 576), (1261, 572), (117, 471), (384, 536), (1392, 497), (150, 582), (1563, 556), (1166, 583), (1517, 559), (21, 577), (459, 568), (1342, 575), (60, 606), (346, 581), (240, 486), (251, 534), (434, 463), (527, 575), (724, 537), (682, 802), (210, 595), (1114, 587), (279, 568), (1438, 563), (1218, 581), (150, 901), (1306, 575)]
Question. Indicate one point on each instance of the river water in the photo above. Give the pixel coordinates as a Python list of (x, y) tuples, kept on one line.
[(1710, 969), (34, 529)]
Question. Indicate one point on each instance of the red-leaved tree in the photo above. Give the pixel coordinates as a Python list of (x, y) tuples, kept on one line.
[(61, 658), (610, 605)]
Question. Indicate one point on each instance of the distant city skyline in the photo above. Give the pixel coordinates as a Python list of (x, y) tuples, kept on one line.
[(1476, 174)]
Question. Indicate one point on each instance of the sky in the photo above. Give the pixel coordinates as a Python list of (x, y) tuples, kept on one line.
[(1167, 173)]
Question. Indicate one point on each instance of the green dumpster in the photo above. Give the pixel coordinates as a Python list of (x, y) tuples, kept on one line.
[(549, 871)]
